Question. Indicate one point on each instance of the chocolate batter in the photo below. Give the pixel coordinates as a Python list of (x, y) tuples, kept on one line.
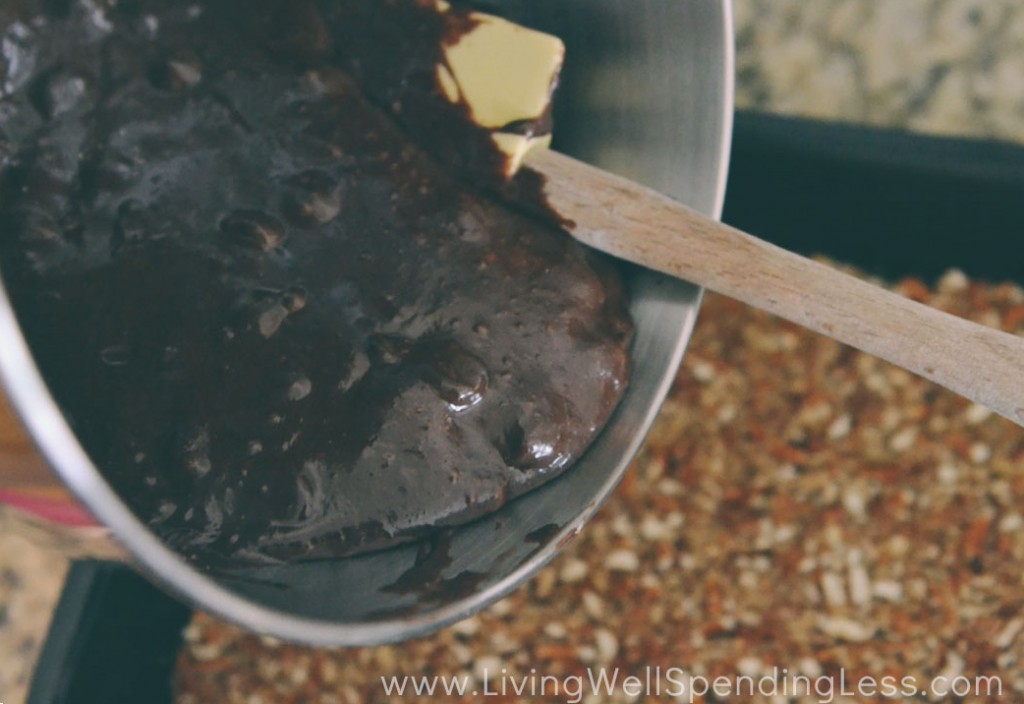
[(280, 328)]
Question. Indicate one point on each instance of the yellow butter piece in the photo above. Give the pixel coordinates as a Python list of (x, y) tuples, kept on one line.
[(503, 72)]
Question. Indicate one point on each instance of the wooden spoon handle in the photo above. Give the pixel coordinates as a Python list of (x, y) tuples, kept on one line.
[(637, 224)]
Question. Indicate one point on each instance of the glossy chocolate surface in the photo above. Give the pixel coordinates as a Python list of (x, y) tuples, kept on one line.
[(279, 327)]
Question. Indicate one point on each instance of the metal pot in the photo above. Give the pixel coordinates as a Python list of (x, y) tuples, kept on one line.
[(647, 93)]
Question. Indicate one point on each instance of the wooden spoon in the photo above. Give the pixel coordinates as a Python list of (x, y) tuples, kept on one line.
[(637, 224)]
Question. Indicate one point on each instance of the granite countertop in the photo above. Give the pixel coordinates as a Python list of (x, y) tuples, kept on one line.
[(950, 67), (937, 66)]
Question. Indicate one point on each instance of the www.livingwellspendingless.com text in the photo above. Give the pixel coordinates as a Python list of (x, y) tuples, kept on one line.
[(677, 684)]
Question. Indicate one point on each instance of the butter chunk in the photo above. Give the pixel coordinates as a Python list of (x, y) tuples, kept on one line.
[(505, 73)]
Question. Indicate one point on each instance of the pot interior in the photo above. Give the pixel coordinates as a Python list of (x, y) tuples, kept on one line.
[(647, 93)]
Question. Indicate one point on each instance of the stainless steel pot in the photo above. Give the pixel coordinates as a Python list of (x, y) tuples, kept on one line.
[(647, 93)]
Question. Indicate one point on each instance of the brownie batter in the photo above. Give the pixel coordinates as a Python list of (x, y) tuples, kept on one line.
[(280, 329)]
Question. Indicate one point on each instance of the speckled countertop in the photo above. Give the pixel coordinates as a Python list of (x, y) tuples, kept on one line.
[(936, 66), (939, 66)]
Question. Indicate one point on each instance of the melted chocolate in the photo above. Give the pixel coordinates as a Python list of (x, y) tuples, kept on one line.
[(280, 328), (426, 577)]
